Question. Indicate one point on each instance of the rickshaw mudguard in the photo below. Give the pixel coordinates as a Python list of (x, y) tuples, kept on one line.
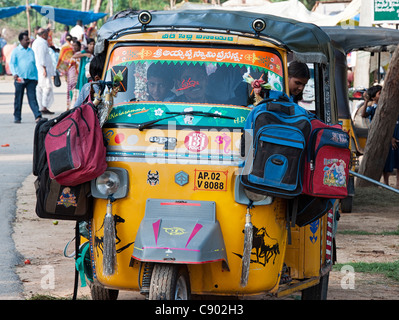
[(180, 231)]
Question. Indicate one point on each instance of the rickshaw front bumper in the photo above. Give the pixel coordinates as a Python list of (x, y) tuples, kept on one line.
[(180, 231)]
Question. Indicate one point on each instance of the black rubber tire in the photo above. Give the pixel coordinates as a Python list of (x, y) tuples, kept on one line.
[(319, 291), (169, 282), (101, 293)]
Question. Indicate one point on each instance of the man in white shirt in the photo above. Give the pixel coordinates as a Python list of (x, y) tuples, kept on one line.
[(45, 68), (79, 32)]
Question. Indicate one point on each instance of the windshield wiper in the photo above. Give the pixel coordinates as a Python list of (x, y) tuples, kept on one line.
[(147, 124)]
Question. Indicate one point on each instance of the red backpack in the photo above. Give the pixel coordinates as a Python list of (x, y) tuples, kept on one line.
[(75, 147), (327, 161)]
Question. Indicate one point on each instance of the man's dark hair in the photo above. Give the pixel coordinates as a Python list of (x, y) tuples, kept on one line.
[(372, 91), (21, 35), (298, 70)]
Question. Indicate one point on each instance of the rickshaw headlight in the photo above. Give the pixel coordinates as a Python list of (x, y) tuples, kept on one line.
[(114, 181)]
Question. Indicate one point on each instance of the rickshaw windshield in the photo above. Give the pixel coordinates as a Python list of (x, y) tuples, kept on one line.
[(159, 80)]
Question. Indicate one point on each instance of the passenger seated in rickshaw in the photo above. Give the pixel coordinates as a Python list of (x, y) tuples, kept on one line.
[(159, 83), (298, 77)]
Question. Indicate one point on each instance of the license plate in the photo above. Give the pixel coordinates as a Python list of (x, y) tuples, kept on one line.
[(209, 180)]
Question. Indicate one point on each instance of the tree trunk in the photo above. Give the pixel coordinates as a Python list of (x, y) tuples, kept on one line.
[(382, 126), (97, 6)]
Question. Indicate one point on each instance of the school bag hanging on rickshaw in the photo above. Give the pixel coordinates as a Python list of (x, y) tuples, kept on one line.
[(75, 147), (327, 161), (278, 130)]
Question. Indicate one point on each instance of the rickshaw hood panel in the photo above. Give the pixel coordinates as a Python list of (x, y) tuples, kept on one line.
[(363, 38), (297, 36)]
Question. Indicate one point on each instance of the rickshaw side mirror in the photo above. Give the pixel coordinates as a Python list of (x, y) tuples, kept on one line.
[(124, 71), (144, 18)]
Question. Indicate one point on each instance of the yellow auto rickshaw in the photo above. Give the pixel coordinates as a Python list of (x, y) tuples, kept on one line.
[(172, 185)]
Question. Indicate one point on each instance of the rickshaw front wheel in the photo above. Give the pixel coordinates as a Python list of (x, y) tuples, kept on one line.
[(169, 282)]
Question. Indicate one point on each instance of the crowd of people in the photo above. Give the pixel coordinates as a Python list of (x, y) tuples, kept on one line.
[(35, 61)]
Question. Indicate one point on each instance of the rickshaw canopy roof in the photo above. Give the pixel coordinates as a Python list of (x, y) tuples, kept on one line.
[(308, 42), (363, 38)]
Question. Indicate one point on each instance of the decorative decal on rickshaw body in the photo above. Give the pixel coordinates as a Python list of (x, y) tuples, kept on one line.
[(197, 37), (205, 147), (224, 139), (119, 138), (196, 228), (175, 231), (98, 241), (264, 247), (209, 180), (314, 226), (181, 178), (153, 178), (169, 143), (262, 59), (137, 113), (196, 141), (155, 227)]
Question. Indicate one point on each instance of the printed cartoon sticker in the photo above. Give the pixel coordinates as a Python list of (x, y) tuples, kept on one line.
[(67, 198), (334, 173)]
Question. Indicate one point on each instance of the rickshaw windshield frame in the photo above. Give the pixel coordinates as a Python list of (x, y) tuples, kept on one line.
[(226, 91)]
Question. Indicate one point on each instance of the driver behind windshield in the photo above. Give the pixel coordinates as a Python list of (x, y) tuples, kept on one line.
[(192, 84), (159, 85)]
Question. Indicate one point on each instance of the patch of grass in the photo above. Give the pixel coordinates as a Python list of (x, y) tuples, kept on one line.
[(375, 197), (367, 233), (388, 269), (46, 297)]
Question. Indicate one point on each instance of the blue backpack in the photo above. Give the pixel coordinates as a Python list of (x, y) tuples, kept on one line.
[(276, 132)]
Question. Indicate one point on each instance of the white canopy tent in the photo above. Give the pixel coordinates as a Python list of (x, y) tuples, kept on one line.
[(295, 10)]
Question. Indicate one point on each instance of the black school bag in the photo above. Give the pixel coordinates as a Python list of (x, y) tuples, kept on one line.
[(54, 201), (278, 130)]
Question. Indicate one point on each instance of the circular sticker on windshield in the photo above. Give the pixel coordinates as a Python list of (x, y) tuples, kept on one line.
[(196, 141)]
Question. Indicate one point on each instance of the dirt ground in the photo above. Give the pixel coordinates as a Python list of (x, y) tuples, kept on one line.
[(42, 243)]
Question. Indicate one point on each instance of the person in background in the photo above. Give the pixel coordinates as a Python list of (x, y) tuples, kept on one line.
[(72, 73), (79, 32), (370, 102), (66, 53), (45, 69), (64, 35), (92, 31), (298, 77), (23, 68), (96, 68), (85, 57)]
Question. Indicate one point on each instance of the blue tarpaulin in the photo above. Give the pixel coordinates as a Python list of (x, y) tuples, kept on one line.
[(64, 16), (67, 16), (11, 11)]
